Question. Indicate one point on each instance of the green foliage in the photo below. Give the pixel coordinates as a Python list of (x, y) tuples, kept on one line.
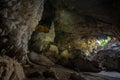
[(103, 42)]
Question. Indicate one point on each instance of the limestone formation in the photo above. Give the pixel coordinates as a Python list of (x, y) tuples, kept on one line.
[(53, 36), (18, 20), (40, 40)]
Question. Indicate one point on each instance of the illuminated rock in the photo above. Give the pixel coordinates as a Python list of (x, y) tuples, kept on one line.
[(40, 40)]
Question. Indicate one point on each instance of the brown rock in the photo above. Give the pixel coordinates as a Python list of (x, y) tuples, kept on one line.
[(39, 59), (82, 64), (10, 69), (76, 76)]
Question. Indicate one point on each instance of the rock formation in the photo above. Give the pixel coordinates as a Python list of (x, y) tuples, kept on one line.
[(109, 59), (17, 22), (41, 40), (10, 69), (55, 39)]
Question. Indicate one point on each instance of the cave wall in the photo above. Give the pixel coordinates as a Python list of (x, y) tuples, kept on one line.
[(77, 21), (44, 32), (88, 18), (18, 19)]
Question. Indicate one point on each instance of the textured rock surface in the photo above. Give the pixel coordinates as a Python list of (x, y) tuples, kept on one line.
[(10, 69), (18, 19), (81, 64), (53, 73), (40, 40), (75, 19), (109, 59), (75, 60), (39, 59), (81, 22), (53, 53), (61, 73)]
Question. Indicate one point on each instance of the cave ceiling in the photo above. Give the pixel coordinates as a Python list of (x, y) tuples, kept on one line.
[(105, 10), (89, 17)]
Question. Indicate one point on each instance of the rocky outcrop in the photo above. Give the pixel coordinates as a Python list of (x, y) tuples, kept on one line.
[(40, 40), (53, 53), (109, 59), (39, 59), (52, 73), (17, 22), (10, 69), (84, 65), (75, 60)]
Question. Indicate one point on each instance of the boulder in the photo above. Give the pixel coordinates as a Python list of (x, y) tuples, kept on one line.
[(52, 53), (10, 69), (39, 59), (82, 64), (109, 59), (77, 61)]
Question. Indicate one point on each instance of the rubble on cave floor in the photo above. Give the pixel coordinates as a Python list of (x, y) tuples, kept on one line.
[(60, 73)]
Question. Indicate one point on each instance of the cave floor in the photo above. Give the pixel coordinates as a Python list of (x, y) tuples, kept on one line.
[(96, 76), (60, 73)]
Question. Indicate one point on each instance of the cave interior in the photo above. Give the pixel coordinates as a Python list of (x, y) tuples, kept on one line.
[(72, 40)]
